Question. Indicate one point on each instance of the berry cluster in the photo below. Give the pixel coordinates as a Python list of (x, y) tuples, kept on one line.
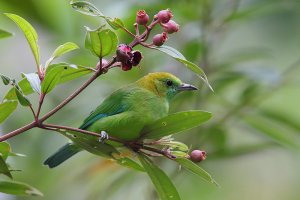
[(125, 54)]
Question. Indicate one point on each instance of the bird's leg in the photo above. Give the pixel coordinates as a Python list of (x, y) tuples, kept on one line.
[(103, 136)]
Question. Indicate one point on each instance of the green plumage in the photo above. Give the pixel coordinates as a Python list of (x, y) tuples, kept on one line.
[(126, 111)]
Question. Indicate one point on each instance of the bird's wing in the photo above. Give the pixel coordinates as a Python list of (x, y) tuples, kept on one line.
[(112, 105)]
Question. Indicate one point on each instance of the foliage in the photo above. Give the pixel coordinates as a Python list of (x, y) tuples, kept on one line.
[(251, 105)]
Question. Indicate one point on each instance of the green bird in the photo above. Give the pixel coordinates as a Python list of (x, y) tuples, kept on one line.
[(126, 111)]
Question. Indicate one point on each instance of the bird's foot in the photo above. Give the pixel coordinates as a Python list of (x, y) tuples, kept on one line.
[(103, 137)]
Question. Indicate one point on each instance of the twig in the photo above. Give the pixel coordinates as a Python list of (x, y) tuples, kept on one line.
[(18, 131)]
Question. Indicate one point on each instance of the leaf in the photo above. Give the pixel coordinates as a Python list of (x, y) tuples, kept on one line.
[(101, 42), (127, 162), (4, 34), (71, 71), (86, 8), (4, 168), (4, 150), (62, 49), (196, 169), (175, 123), (164, 187), (6, 109), (34, 81), (115, 23), (90, 143), (25, 87), (6, 80), (18, 188), (21, 98), (51, 79), (178, 56), (29, 33)]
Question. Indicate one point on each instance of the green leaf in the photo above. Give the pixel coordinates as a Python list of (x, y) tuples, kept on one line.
[(6, 109), (18, 188), (25, 87), (164, 187), (62, 49), (178, 56), (175, 123), (4, 34), (34, 80), (51, 79), (196, 169), (4, 168), (29, 33), (101, 42), (90, 143), (6, 80), (71, 71), (175, 145), (127, 162), (21, 98), (4, 150), (86, 8), (115, 23)]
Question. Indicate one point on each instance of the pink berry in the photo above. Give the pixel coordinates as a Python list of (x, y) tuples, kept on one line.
[(141, 17), (197, 155), (164, 16), (160, 39), (171, 27)]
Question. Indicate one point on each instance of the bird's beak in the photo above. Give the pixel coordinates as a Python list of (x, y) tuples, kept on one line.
[(185, 86)]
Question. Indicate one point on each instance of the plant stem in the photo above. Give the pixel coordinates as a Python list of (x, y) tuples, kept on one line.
[(18, 131), (34, 115), (41, 101)]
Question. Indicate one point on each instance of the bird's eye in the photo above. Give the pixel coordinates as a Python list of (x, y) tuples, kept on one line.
[(169, 83)]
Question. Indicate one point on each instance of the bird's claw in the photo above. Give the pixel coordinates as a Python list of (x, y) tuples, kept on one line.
[(103, 136)]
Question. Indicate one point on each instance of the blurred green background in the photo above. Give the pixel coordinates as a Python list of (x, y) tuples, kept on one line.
[(250, 52)]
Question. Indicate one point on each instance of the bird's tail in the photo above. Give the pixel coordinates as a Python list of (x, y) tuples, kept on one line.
[(64, 153)]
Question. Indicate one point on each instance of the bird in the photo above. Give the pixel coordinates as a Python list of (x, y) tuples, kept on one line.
[(125, 112)]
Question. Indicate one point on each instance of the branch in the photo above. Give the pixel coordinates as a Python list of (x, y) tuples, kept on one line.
[(18, 131), (134, 145), (78, 91)]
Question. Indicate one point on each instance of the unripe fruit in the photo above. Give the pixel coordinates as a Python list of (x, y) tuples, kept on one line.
[(197, 155), (171, 27), (160, 39), (164, 16), (141, 17)]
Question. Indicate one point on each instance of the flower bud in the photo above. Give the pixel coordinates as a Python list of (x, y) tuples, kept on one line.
[(164, 16), (197, 155), (141, 17), (160, 39), (136, 58), (123, 53), (171, 27)]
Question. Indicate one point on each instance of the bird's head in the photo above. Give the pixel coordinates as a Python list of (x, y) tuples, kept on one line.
[(164, 84)]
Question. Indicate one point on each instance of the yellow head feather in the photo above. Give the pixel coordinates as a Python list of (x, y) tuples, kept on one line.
[(155, 82)]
